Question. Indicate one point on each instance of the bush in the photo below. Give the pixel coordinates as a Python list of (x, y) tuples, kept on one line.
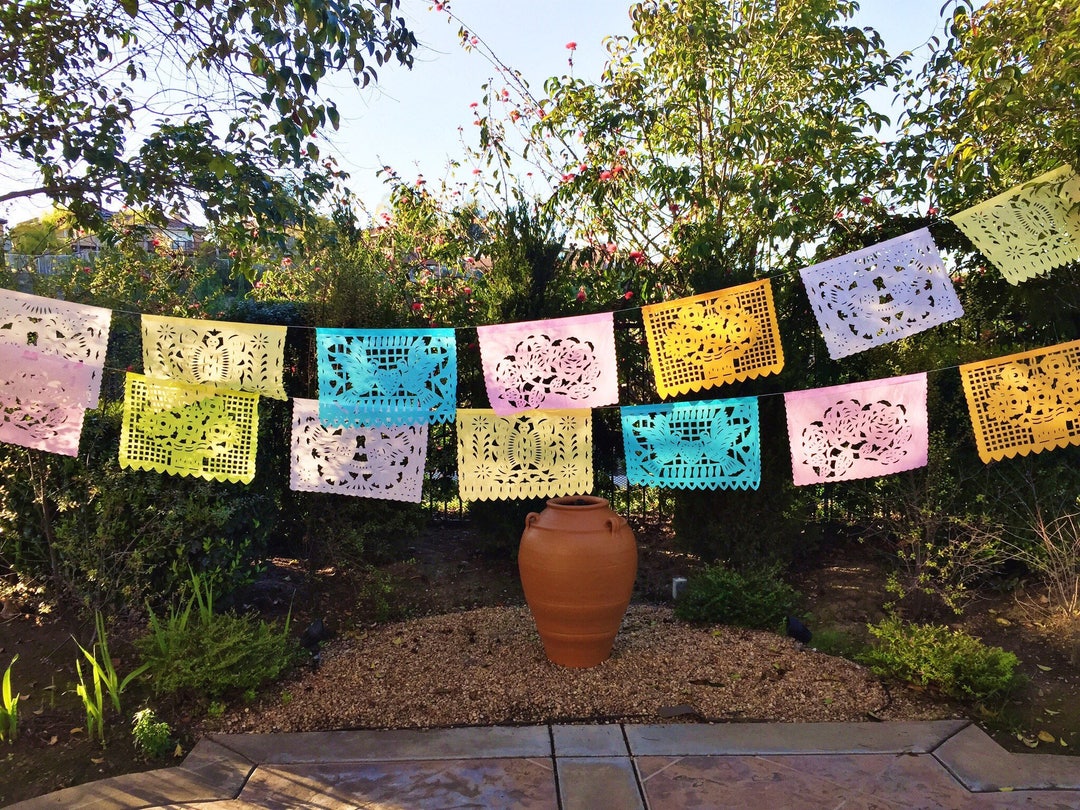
[(152, 736), (937, 657), (197, 651), (755, 598)]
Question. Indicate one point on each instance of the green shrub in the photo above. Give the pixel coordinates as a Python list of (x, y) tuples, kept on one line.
[(755, 598), (197, 651), (937, 657), (152, 736)]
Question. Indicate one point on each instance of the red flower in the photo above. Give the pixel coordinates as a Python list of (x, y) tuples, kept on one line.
[(466, 291), (286, 261), (637, 256), (622, 152), (474, 105), (581, 293), (571, 46), (628, 294), (605, 175), (417, 306), (583, 167), (566, 178), (933, 211), (865, 200), (616, 170)]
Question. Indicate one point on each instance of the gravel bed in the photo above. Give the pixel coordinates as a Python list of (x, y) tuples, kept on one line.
[(487, 666)]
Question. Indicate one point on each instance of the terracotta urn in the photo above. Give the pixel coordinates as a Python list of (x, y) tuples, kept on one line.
[(578, 561)]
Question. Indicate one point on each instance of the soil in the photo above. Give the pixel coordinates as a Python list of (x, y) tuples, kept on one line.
[(461, 614)]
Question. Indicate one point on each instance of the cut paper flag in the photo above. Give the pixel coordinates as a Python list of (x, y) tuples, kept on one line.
[(1029, 230), (1026, 402), (540, 454), (386, 376), (881, 293), (182, 429), (860, 430), (76, 332), (230, 356), (712, 339), (384, 462), (552, 364), (43, 399), (693, 445)]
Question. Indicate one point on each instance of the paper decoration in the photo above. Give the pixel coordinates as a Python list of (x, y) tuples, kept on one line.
[(540, 454), (76, 332), (1029, 230), (1025, 403), (712, 339), (378, 462), (859, 430), (230, 356), (552, 364), (693, 445), (197, 430), (881, 293), (386, 376), (43, 399)]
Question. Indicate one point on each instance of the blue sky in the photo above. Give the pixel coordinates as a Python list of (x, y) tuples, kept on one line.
[(410, 120)]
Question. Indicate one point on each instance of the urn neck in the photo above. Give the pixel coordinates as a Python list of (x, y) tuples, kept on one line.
[(573, 503)]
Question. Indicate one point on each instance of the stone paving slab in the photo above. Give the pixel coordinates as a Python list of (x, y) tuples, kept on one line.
[(982, 765), (392, 744), (488, 783), (135, 790), (591, 783), (789, 738), (589, 741), (815, 781)]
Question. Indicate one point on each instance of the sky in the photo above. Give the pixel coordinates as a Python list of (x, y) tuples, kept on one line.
[(410, 120)]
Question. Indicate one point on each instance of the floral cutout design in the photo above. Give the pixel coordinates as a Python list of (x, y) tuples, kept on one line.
[(553, 364), (881, 293), (385, 462), (75, 332), (232, 356), (43, 399), (708, 340), (196, 430), (386, 376), (859, 430), (540, 454), (1025, 403), (708, 444), (1031, 229)]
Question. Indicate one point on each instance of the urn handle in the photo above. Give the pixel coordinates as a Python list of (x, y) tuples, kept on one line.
[(613, 524), (531, 518)]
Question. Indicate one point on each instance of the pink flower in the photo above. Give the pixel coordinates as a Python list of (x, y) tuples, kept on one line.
[(438, 6), (611, 247), (474, 105), (286, 261), (622, 152), (628, 295), (616, 170), (466, 290), (566, 178), (605, 175), (637, 256), (865, 200), (583, 167), (259, 285), (474, 41), (932, 211), (476, 171), (571, 46), (581, 293), (86, 269)]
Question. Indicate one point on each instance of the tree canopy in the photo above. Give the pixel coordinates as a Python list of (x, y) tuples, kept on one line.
[(170, 105)]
